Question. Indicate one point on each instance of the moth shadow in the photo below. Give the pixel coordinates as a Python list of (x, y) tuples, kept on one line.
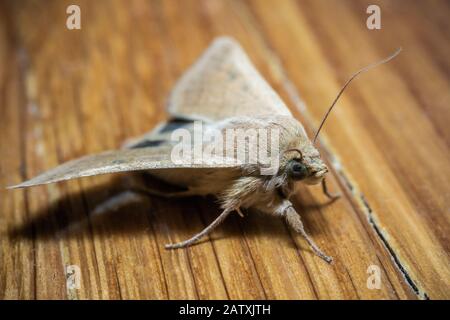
[(77, 215)]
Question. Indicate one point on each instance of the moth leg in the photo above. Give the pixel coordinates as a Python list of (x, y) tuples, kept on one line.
[(238, 210), (202, 233), (293, 219), (331, 196)]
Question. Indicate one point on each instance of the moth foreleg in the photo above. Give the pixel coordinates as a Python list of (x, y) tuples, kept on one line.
[(294, 220), (331, 196), (202, 233)]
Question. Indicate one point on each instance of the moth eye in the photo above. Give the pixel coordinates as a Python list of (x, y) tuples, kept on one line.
[(298, 170)]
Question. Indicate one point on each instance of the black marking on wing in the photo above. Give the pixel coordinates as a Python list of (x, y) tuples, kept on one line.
[(175, 123), (147, 143)]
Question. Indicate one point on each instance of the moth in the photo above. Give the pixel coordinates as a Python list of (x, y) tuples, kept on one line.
[(223, 92)]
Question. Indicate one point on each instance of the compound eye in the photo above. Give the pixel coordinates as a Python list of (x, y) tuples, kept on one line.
[(298, 170)]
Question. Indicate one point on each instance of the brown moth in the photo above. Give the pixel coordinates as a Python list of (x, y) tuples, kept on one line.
[(222, 91)]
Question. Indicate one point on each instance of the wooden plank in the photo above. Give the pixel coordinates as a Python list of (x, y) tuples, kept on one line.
[(69, 93), (16, 268)]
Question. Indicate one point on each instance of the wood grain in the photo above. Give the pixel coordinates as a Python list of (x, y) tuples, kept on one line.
[(67, 93)]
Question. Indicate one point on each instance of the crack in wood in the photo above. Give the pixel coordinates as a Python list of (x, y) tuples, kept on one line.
[(369, 212)]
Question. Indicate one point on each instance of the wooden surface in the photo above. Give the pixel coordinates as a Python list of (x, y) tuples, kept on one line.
[(66, 93)]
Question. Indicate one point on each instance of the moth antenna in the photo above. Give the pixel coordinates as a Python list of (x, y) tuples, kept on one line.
[(370, 66)]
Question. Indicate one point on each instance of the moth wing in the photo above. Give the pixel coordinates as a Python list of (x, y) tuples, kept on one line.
[(148, 158), (224, 83), (159, 135)]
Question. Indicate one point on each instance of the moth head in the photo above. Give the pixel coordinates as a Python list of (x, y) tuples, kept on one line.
[(304, 164)]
